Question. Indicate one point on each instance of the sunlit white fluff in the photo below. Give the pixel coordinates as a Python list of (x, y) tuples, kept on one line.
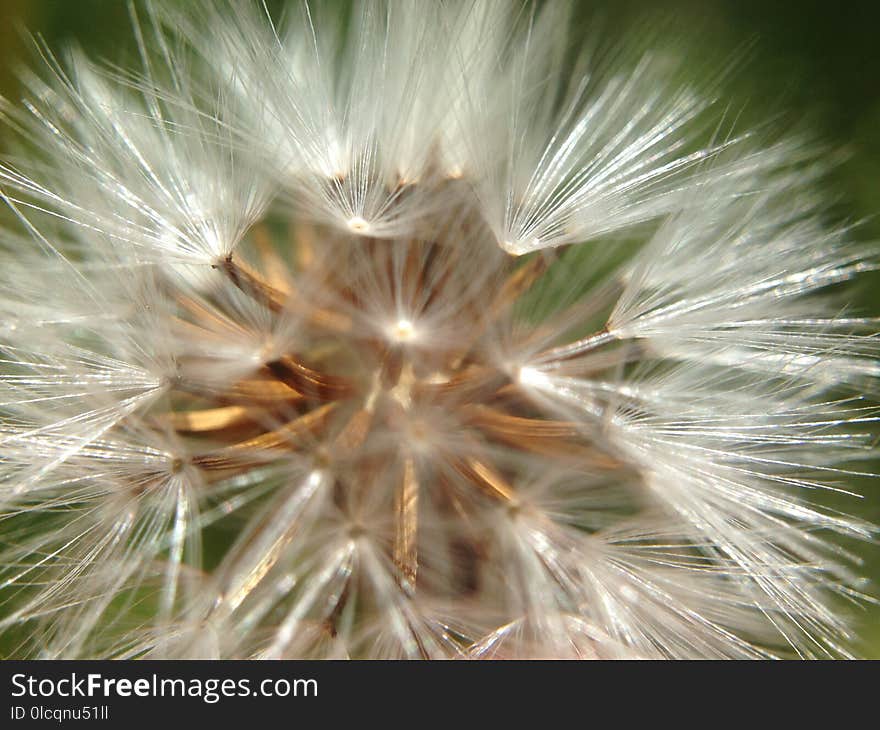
[(326, 343)]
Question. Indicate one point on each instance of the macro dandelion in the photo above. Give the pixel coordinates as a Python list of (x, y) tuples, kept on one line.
[(419, 333)]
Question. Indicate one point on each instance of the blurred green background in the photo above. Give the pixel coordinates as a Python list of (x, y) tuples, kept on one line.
[(810, 65)]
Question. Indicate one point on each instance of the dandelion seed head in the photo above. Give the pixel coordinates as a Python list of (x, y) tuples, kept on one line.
[(358, 308)]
